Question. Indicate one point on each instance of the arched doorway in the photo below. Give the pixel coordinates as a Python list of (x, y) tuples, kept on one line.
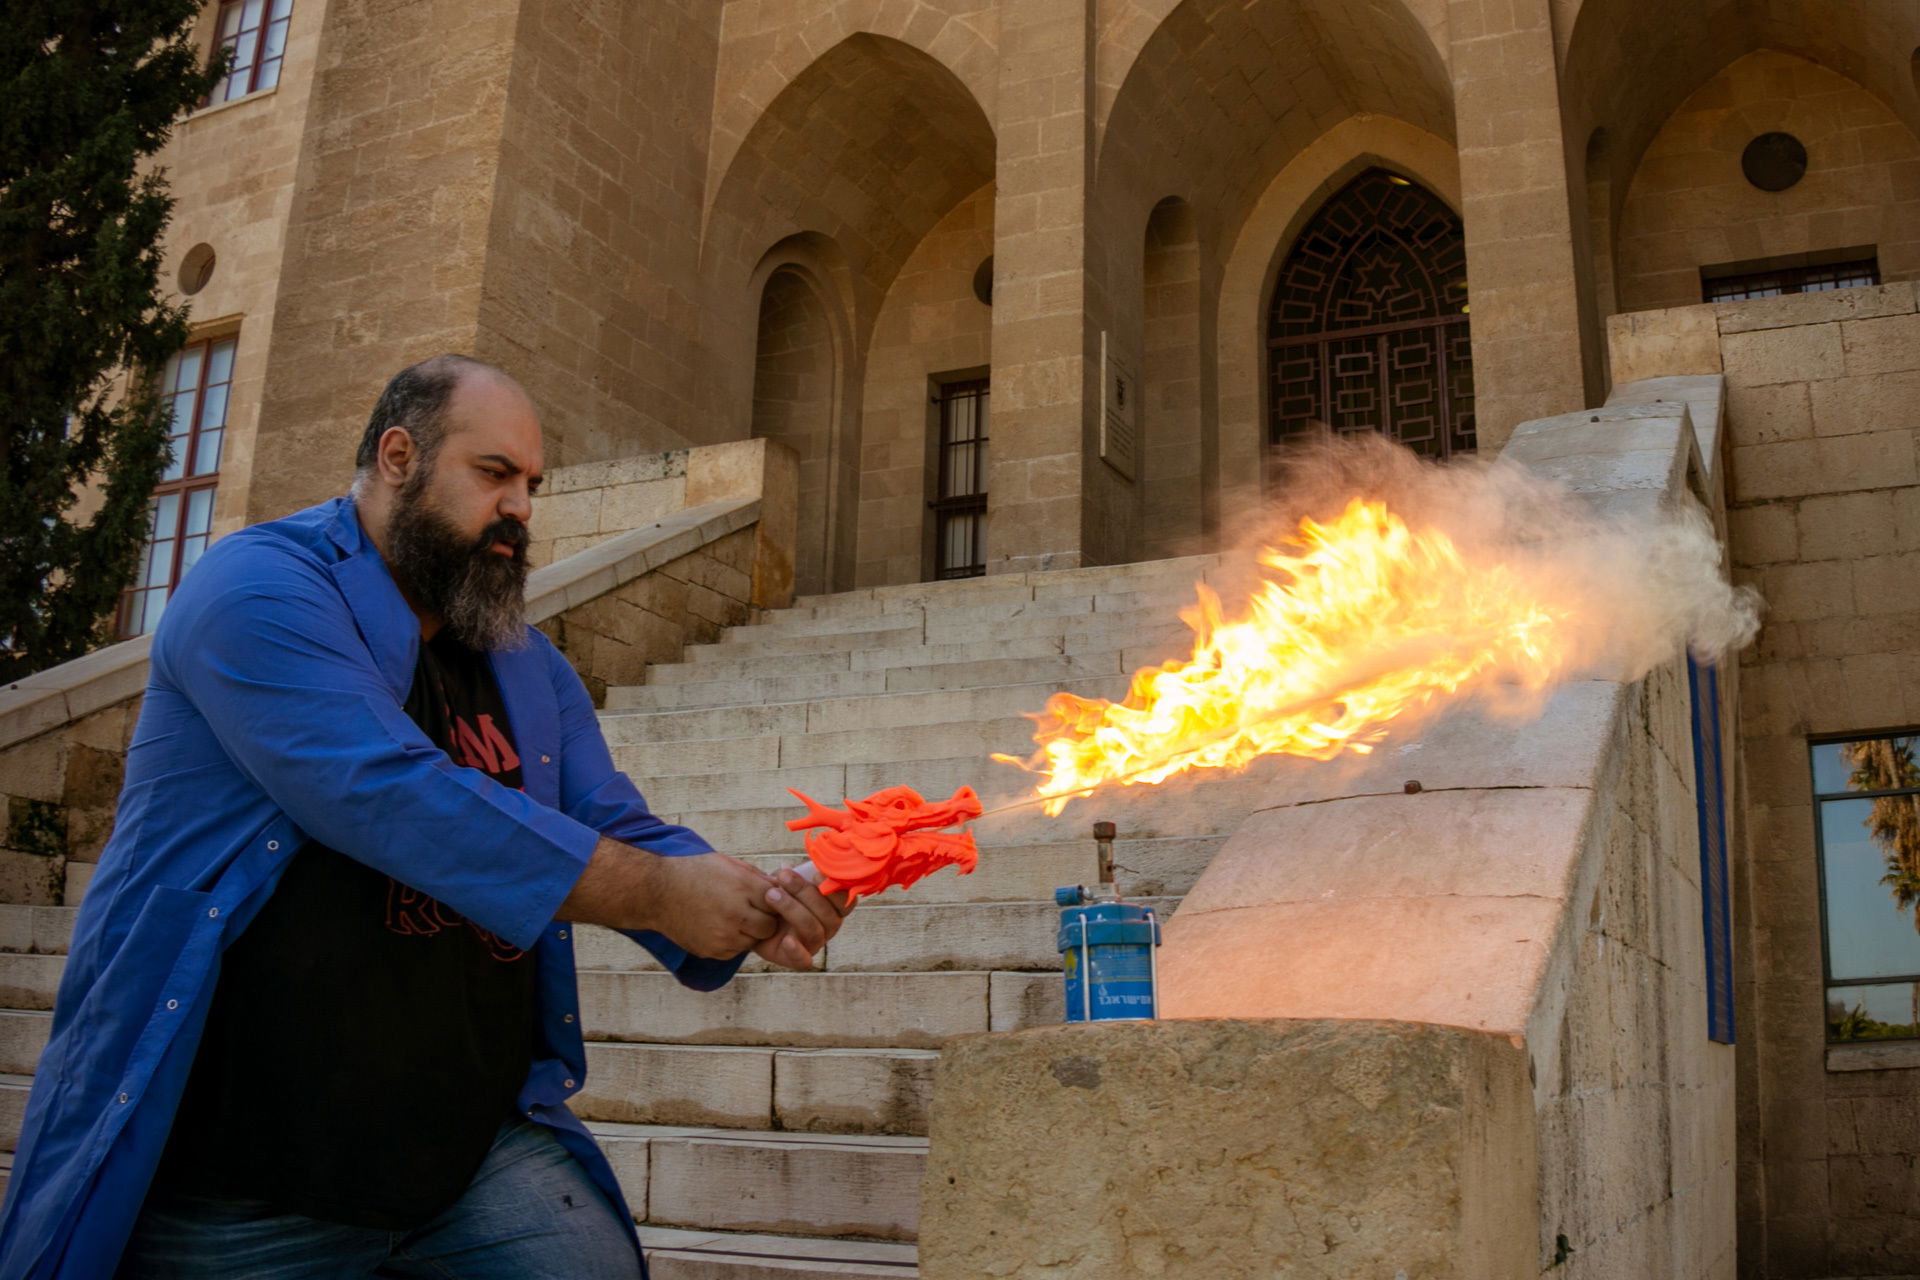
[(793, 402), (1367, 327)]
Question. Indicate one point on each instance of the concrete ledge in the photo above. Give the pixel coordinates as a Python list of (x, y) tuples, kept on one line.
[(599, 569), (1231, 1151), (1873, 1057), (59, 694)]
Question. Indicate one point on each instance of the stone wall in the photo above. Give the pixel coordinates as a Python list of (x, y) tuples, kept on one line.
[(1824, 424), (1690, 206), (930, 327)]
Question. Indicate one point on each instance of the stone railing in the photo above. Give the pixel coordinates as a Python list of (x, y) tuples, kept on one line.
[(1448, 1030), (679, 545)]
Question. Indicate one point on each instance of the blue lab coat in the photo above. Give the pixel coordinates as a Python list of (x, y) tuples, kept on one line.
[(274, 715)]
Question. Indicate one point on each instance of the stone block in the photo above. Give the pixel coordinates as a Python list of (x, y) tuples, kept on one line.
[(1887, 584), (677, 1085), (1826, 307), (1237, 1150), (853, 1090), (1768, 356), (806, 1010), (1765, 534), (1853, 405), (23, 1037), (795, 1184), (1889, 344), (29, 981), (1656, 344), (1803, 591), (1760, 415)]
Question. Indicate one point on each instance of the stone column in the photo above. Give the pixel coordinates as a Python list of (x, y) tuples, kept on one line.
[(1515, 202), (1042, 293), (387, 235)]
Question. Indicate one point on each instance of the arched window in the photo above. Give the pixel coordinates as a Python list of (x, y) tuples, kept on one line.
[(1368, 326)]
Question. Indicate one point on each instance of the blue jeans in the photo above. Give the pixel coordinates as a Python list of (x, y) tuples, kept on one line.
[(530, 1213)]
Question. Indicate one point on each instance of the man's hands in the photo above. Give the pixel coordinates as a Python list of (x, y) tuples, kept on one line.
[(808, 919), (710, 904)]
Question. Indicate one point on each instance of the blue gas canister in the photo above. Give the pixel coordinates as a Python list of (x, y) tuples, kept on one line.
[(1108, 948)]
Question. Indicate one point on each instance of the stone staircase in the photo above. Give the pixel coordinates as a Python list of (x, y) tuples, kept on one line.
[(776, 1128)]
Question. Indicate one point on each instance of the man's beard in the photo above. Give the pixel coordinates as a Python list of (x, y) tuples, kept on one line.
[(479, 594)]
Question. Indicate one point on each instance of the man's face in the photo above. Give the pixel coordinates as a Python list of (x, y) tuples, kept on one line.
[(458, 536)]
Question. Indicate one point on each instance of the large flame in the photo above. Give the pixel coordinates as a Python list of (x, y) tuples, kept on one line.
[(1365, 620)]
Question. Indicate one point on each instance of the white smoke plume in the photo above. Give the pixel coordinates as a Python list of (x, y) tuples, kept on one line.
[(1646, 589)]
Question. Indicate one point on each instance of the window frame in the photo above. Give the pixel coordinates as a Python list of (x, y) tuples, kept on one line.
[(1817, 799), (253, 72), (950, 507), (130, 618)]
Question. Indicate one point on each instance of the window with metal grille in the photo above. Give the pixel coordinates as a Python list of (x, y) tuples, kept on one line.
[(1710, 809), (1866, 795), (1727, 284), (1368, 326), (195, 387), (960, 493), (256, 31)]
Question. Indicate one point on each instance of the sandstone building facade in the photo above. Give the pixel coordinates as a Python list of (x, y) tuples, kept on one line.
[(1034, 284)]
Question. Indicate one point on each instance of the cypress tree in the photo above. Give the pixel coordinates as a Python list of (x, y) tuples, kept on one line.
[(88, 89)]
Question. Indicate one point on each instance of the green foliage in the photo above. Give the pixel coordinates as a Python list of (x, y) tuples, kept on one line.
[(87, 89)]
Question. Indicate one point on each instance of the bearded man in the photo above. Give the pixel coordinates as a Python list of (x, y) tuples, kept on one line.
[(319, 1015)]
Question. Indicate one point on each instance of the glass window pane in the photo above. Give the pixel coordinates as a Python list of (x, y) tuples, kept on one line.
[(280, 11), (255, 10), (199, 511), (1886, 1012), (186, 370), (161, 565), (189, 552), (180, 413), (234, 86), (1871, 870), (269, 74), (156, 605), (177, 463), (213, 407), (1876, 764), (243, 51), (220, 366), (207, 453), (230, 15), (137, 613), (276, 40)]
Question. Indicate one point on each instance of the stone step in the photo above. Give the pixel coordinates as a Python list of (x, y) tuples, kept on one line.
[(748, 689), (674, 1253), (1152, 574), (23, 1037), (722, 662), (917, 938), (786, 1183), (44, 930), (797, 748), (29, 981), (813, 1010), (810, 1090), (14, 1088), (736, 642), (963, 641), (1163, 602)]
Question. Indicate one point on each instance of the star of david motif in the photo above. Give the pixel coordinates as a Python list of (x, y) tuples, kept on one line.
[(1378, 280)]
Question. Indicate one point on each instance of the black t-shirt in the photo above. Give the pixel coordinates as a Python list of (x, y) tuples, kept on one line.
[(365, 1041)]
